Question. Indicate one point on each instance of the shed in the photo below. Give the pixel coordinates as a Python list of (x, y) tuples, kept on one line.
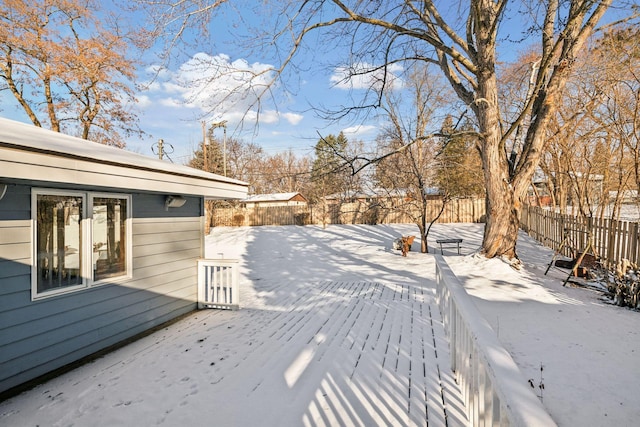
[(275, 199), (97, 245)]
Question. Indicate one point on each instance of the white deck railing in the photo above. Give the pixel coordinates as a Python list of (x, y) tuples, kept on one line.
[(218, 284), (493, 388)]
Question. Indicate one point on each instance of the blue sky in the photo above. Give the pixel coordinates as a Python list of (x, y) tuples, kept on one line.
[(175, 98), (173, 105), (288, 120), (172, 110)]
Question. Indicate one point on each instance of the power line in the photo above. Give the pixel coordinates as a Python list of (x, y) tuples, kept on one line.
[(162, 151)]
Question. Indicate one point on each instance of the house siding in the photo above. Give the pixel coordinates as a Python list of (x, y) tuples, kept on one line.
[(37, 337)]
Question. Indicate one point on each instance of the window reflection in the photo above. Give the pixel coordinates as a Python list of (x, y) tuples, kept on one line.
[(109, 237), (59, 241)]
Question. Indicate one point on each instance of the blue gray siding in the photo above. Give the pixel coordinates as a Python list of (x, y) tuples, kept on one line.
[(39, 336)]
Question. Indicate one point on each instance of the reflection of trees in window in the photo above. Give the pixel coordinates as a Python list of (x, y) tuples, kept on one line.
[(109, 237), (59, 241)]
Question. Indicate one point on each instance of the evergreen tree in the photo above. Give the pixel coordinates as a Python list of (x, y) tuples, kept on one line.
[(329, 172), (215, 158), (459, 169)]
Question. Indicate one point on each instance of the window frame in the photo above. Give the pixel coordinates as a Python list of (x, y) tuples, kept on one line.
[(128, 271), (34, 243), (86, 241)]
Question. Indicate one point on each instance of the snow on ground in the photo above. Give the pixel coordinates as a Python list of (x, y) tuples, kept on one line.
[(335, 328), (588, 349)]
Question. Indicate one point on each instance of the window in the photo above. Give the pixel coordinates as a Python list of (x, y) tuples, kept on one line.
[(109, 237), (59, 241), (74, 250)]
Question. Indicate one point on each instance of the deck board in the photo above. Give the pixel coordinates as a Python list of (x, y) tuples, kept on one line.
[(375, 350), (314, 354)]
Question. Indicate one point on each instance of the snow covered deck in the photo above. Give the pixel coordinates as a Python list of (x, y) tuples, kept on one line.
[(336, 353), (204, 368), (324, 353)]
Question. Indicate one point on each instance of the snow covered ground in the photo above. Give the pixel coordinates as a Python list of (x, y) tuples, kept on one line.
[(587, 348)]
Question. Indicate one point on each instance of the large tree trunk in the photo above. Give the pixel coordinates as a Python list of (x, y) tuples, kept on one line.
[(501, 228)]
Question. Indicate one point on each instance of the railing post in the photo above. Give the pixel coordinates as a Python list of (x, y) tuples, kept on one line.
[(492, 386)]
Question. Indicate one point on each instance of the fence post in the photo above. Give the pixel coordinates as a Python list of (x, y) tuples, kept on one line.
[(612, 239), (347, 213)]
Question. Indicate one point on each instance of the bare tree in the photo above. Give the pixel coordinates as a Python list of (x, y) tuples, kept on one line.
[(592, 150), (67, 70), (618, 50), (410, 173), (283, 173), (463, 42), (244, 160)]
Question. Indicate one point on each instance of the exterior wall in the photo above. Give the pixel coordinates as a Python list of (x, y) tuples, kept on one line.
[(34, 154), (37, 337)]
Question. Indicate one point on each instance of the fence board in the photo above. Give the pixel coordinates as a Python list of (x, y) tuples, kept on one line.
[(613, 240), (459, 210)]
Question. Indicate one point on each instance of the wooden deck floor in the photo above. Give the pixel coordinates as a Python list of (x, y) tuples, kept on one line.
[(344, 353), (305, 354)]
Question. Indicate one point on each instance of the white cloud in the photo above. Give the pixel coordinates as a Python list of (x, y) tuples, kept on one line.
[(265, 117), (174, 88), (173, 103), (144, 101), (219, 88), (269, 117), (293, 118), (217, 85), (365, 76), (159, 71), (359, 130), (152, 86), (159, 78)]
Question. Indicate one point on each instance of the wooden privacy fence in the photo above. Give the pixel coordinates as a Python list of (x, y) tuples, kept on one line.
[(612, 240), (459, 210)]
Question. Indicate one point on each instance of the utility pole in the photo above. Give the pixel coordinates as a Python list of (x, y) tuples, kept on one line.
[(205, 163), (160, 149), (223, 124), (224, 149)]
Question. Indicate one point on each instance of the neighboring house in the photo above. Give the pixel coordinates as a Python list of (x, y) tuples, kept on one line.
[(365, 196), (274, 199), (625, 196), (97, 245), (395, 197), (576, 184)]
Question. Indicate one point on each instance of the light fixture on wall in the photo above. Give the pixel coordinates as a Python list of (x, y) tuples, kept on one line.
[(174, 202), (3, 190)]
